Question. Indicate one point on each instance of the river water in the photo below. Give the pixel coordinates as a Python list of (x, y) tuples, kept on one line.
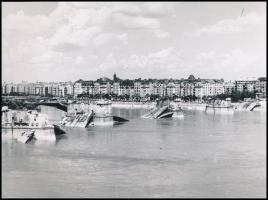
[(200, 155)]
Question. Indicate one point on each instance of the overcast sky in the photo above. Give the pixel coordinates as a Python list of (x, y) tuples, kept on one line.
[(52, 41)]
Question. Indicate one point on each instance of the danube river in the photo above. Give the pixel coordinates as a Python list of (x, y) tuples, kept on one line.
[(200, 155)]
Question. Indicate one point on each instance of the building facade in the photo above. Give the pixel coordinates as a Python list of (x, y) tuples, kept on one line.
[(143, 89)]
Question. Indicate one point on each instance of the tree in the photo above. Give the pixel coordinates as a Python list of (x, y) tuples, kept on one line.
[(237, 95), (126, 96), (106, 96), (154, 97)]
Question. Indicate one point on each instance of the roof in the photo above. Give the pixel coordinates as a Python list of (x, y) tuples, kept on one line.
[(262, 79), (87, 83), (247, 79)]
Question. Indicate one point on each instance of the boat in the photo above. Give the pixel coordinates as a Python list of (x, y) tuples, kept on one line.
[(104, 102), (26, 136), (220, 107)]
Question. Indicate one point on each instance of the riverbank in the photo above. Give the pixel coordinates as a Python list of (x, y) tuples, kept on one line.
[(120, 104), (31, 103), (193, 106), (243, 106)]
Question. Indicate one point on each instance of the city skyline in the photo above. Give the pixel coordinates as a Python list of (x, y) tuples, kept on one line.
[(121, 79), (117, 88), (62, 41)]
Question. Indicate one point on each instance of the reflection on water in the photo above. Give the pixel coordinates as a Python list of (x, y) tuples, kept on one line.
[(199, 155)]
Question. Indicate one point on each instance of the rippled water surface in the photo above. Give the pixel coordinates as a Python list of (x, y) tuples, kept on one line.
[(200, 155)]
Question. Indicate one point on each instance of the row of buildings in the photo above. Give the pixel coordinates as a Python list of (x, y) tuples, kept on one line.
[(39, 88), (139, 88)]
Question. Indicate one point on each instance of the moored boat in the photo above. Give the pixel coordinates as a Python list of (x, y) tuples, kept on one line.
[(220, 107)]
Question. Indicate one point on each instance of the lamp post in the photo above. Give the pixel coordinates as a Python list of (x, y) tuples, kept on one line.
[(12, 124)]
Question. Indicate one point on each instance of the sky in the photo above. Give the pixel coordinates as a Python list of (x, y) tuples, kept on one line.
[(67, 41)]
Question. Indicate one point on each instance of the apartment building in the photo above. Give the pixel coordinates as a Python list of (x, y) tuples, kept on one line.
[(198, 88), (246, 84)]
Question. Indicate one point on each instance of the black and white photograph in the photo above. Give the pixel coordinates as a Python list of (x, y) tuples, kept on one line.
[(133, 99)]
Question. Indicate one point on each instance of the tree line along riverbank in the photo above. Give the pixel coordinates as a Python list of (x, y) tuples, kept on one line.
[(30, 102)]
